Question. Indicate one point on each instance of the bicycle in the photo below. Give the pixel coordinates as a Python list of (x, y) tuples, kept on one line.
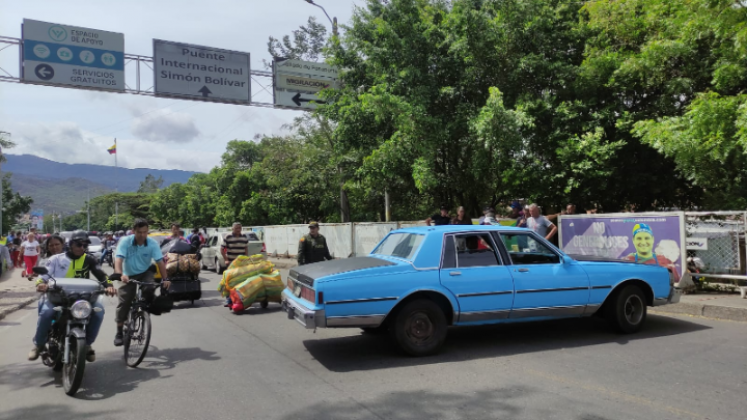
[(137, 327)]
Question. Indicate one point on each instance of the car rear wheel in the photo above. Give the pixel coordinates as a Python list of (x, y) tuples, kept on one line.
[(420, 328), (626, 313)]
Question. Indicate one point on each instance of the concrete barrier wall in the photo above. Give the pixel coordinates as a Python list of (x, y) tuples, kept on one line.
[(343, 239)]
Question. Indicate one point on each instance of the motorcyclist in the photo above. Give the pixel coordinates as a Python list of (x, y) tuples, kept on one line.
[(109, 245), (74, 263)]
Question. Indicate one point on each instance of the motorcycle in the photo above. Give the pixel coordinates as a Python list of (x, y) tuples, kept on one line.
[(66, 346), (108, 252)]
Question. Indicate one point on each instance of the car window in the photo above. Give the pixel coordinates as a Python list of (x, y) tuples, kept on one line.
[(94, 240), (213, 241), (475, 250), (449, 257), (523, 248), (400, 245), (252, 236)]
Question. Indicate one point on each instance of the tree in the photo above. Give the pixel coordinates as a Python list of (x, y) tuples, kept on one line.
[(14, 204), (307, 44), (150, 184)]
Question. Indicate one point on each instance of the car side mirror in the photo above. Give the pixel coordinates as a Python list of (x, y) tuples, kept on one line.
[(40, 270)]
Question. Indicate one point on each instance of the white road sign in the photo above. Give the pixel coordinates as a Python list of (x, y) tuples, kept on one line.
[(298, 82), (69, 55), (201, 72)]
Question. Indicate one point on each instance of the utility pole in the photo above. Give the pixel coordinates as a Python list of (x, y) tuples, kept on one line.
[(387, 206), (88, 209)]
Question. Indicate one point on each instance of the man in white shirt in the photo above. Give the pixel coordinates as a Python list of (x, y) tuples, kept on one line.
[(540, 223)]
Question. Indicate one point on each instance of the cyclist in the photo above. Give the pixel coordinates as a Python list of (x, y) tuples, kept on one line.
[(133, 260), (74, 263)]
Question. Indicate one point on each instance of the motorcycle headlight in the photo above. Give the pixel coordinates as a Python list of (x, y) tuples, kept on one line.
[(81, 309)]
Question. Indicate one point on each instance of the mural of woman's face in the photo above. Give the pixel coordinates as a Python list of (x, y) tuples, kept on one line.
[(644, 243)]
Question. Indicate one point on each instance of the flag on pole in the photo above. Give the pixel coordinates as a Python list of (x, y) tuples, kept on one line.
[(112, 150)]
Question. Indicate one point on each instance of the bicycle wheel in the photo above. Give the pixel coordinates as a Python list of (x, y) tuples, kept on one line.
[(137, 338)]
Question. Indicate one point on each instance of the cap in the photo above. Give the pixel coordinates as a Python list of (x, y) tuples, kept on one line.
[(443, 207), (313, 224)]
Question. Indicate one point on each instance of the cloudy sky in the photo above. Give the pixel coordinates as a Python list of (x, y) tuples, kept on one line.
[(77, 126)]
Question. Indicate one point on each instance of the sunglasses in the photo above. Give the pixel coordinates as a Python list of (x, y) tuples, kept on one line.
[(80, 244)]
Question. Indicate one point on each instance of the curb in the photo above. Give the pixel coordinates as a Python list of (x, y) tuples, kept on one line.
[(12, 308), (706, 311)]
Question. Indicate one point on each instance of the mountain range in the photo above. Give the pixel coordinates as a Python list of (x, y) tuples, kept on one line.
[(64, 187)]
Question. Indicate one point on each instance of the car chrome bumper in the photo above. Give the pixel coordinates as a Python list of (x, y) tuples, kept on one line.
[(674, 297), (308, 318)]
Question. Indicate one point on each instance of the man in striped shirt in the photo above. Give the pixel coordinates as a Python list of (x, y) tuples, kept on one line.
[(237, 244)]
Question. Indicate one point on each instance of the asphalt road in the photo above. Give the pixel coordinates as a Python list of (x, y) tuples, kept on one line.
[(207, 363)]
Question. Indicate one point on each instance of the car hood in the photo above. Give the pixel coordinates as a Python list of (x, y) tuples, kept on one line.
[(308, 273)]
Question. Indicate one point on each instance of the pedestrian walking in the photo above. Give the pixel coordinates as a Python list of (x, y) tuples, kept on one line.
[(30, 253), (313, 247), (440, 219), (237, 244), (461, 217), (540, 223), (6, 263), (15, 250)]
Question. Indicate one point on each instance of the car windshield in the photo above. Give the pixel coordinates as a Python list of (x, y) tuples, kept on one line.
[(94, 240), (400, 245)]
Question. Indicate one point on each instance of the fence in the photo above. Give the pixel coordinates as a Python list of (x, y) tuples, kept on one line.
[(718, 239)]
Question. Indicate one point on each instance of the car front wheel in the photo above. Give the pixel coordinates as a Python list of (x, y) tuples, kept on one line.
[(627, 311), (420, 328)]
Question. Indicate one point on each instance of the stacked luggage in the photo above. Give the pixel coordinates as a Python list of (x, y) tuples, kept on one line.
[(183, 268), (251, 279)]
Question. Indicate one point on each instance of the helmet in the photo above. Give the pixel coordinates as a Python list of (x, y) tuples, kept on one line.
[(120, 233), (80, 236)]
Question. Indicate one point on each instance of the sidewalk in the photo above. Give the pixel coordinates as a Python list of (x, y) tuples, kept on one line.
[(15, 292), (710, 305), (283, 263)]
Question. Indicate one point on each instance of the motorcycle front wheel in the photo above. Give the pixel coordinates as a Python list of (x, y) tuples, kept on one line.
[(137, 338), (72, 372)]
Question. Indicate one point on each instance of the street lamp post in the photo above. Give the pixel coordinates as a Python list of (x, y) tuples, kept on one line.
[(333, 21)]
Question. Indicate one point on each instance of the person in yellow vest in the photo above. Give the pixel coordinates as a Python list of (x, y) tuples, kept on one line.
[(74, 263)]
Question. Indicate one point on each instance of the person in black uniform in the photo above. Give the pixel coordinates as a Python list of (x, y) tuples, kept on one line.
[(440, 219), (313, 246)]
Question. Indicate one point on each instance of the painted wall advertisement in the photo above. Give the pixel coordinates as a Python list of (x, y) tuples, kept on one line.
[(37, 219), (655, 239)]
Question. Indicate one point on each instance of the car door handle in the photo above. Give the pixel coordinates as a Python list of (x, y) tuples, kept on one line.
[(455, 273), (523, 270)]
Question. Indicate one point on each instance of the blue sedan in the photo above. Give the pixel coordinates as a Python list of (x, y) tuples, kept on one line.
[(419, 281)]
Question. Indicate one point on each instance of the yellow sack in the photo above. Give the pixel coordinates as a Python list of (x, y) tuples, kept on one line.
[(241, 269), (273, 284)]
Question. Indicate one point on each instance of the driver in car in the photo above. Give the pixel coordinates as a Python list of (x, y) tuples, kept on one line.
[(74, 263)]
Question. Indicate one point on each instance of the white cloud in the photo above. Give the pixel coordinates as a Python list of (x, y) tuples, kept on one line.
[(66, 142), (165, 126)]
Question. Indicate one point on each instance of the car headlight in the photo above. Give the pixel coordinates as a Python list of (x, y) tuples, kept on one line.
[(81, 309)]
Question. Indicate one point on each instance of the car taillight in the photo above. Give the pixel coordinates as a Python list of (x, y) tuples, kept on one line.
[(290, 284), (223, 250), (263, 247), (308, 294)]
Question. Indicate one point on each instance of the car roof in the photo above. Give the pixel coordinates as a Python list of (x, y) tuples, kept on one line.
[(425, 230)]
